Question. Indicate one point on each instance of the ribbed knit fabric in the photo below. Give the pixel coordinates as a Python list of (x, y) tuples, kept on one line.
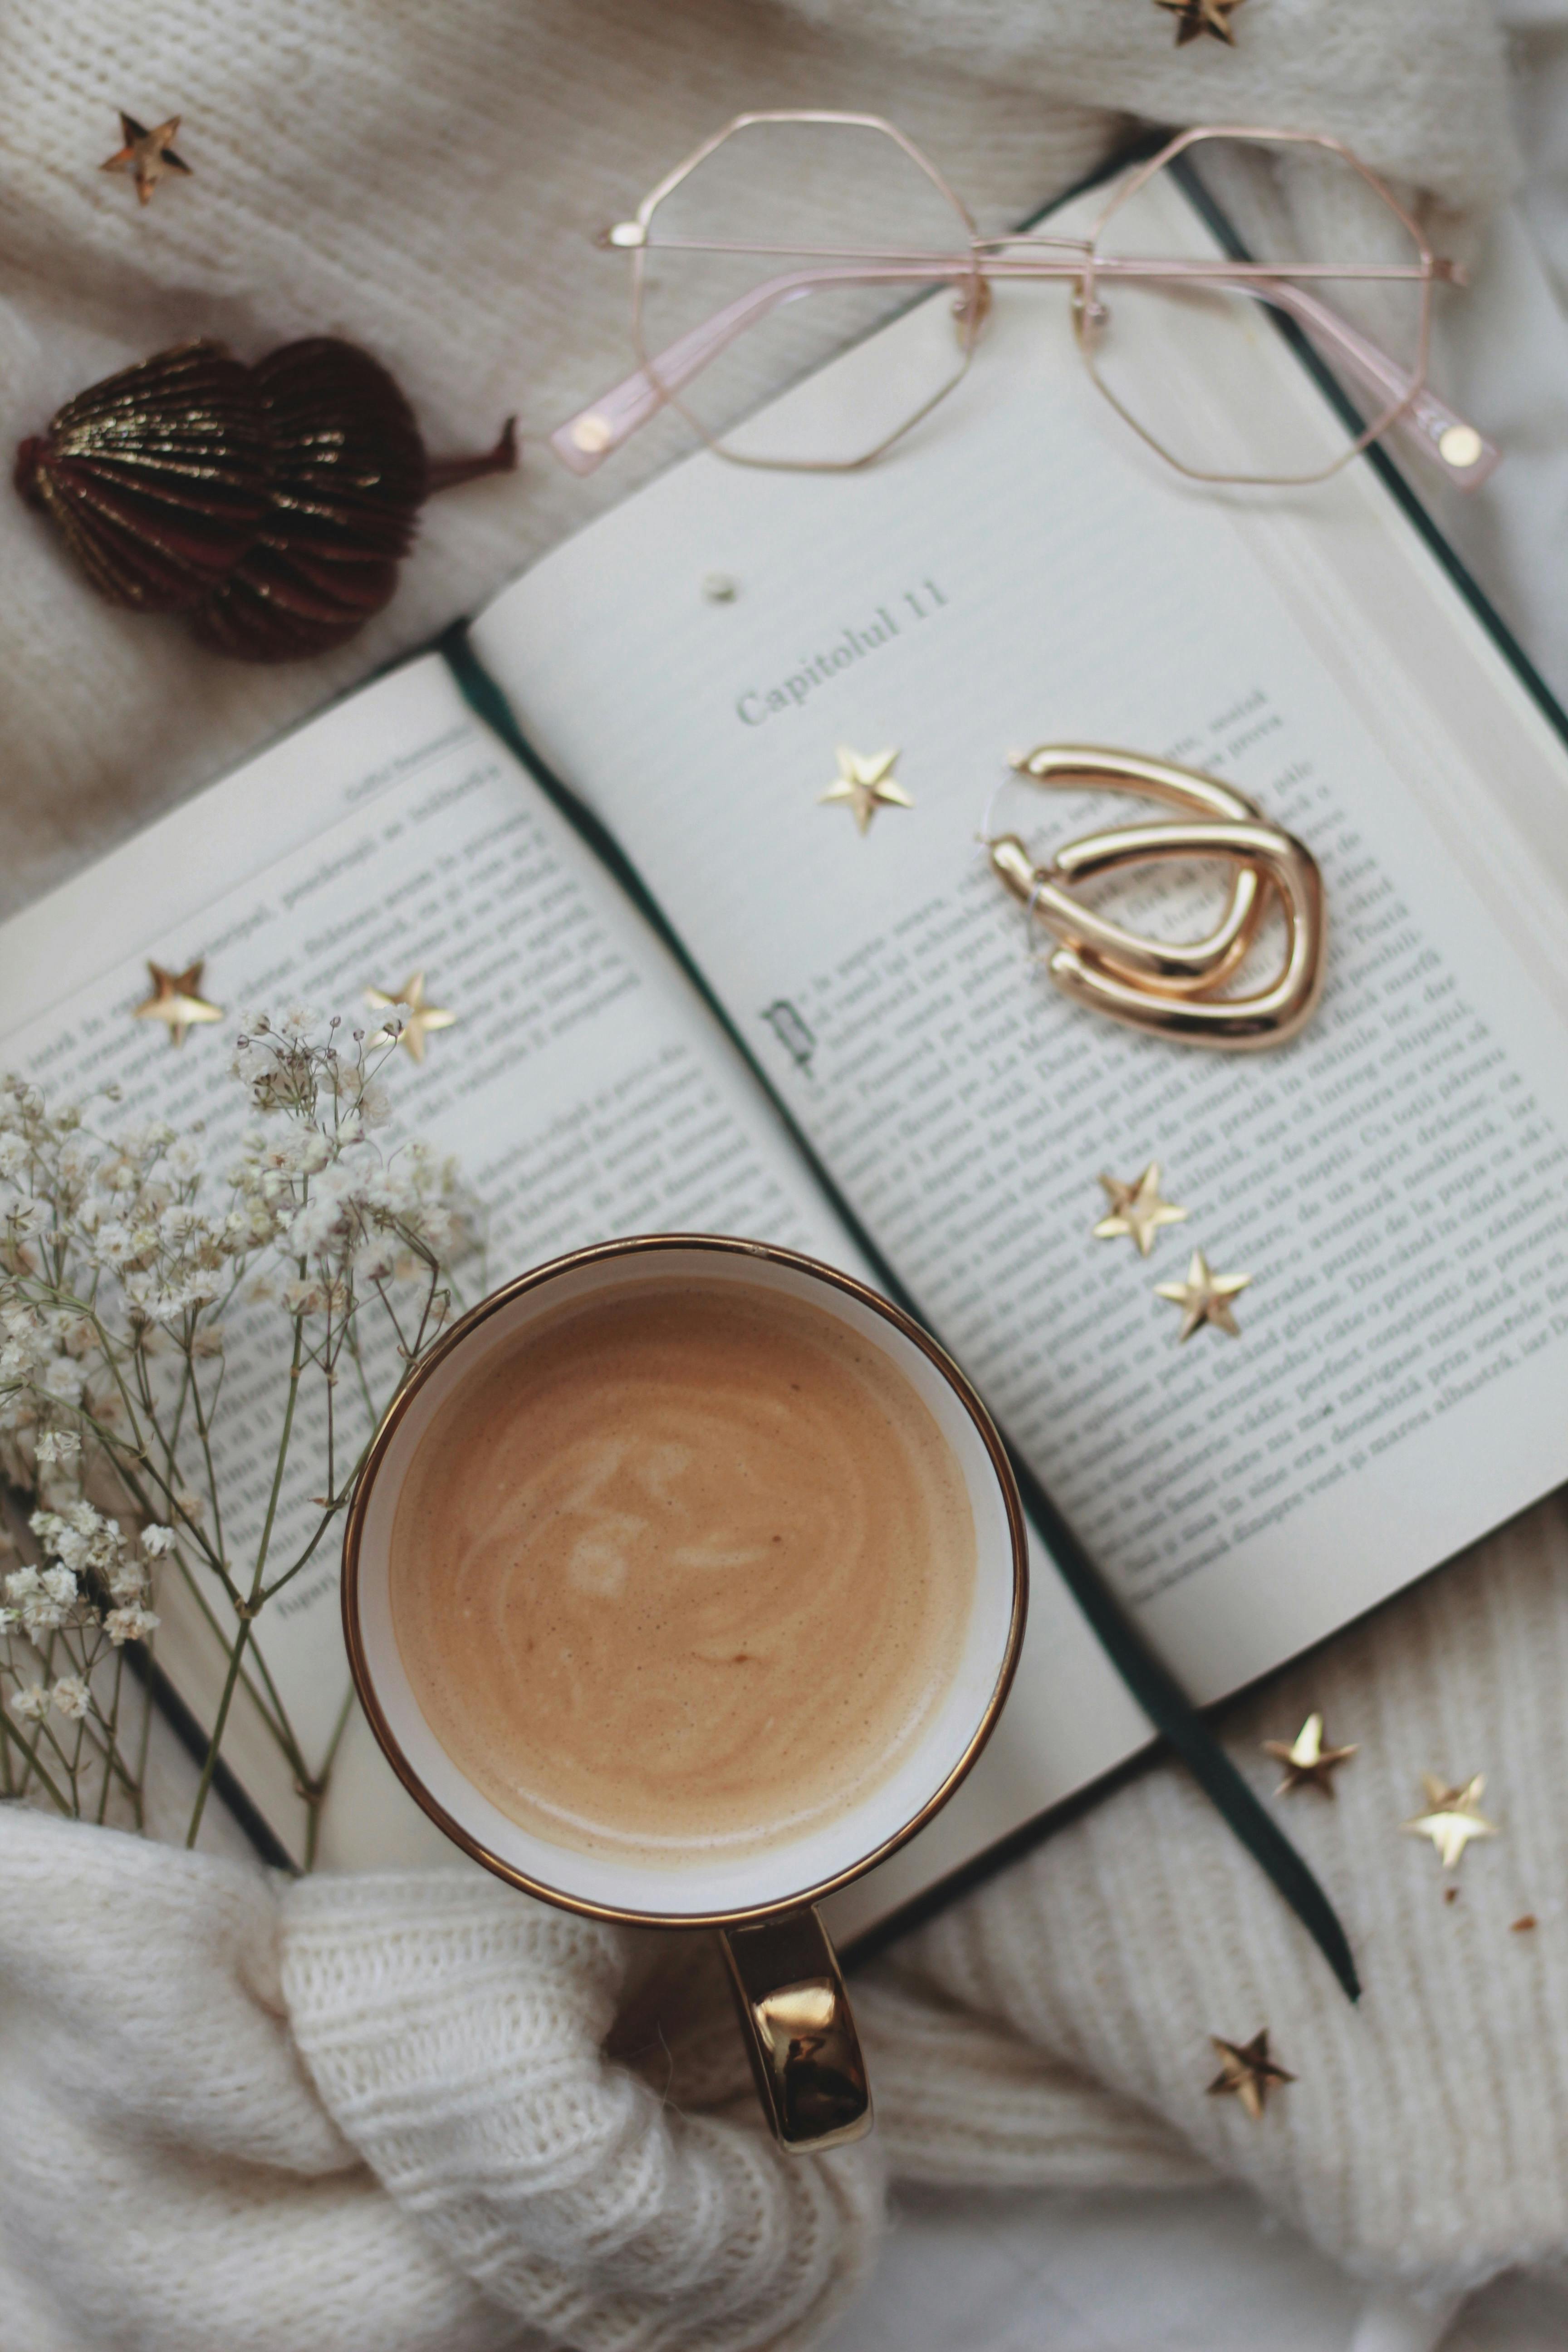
[(168, 2176), (410, 2111), (566, 2190), (365, 2116), (1427, 2138)]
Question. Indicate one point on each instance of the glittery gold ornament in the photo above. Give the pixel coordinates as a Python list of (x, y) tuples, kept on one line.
[(1453, 1817), (1137, 1210), (423, 1020), (1308, 1763), (176, 1000), (271, 504), (1246, 2073), (147, 155), (866, 783), (1204, 1297)]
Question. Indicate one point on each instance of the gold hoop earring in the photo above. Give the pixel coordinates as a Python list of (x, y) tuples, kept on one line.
[(1170, 988)]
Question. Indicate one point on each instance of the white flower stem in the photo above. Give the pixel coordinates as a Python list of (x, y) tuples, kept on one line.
[(317, 1791), (266, 1698), (35, 1770), (209, 1765), (242, 1637)]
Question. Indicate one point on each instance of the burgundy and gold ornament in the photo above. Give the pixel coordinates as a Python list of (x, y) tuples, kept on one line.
[(270, 504)]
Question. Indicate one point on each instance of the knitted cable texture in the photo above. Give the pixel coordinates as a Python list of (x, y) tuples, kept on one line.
[(454, 2031), (367, 2116)]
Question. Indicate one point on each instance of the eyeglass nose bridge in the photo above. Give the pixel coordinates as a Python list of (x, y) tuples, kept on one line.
[(973, 299), (1089, 315)]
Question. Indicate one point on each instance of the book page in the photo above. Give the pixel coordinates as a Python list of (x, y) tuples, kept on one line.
[(1396, 1183), (584, 1087)]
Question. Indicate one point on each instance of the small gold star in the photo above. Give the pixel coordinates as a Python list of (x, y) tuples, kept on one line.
[(1204, 1297), (1202, 16), (147, 154), (1137, 1210), (1246, 2073), (422, 1019), (866, 784), (1308, 1763), (1452, 1817), (176, 1000)]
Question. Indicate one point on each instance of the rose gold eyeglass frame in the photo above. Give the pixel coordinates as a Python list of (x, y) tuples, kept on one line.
[(1404, 398)]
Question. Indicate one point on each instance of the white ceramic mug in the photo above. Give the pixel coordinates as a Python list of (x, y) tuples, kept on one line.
[(788, 1982)]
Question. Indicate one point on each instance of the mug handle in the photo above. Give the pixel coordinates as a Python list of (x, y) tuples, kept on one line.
[(805, 2051)]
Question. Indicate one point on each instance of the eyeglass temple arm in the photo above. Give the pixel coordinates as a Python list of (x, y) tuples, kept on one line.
[(596, 432), (1426, 417), (586, 439)]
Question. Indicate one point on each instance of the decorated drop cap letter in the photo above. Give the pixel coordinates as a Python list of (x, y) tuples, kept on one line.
[(1171, 988)]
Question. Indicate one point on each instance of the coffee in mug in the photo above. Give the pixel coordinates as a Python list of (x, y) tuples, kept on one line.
[(683, 1569), (684, 1581)]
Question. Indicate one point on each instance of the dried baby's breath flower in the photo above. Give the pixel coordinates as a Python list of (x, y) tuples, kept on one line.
[(129, 1622), (152, 1282), (71, 1697)]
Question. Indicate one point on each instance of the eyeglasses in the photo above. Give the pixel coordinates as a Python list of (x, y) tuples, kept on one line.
[(788, 238)]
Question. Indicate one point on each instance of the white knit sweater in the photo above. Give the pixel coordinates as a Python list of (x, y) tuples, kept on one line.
[(406, 2111), (395, 2112)]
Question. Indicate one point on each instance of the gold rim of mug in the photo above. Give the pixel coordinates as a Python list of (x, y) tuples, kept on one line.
[(636, 1246)]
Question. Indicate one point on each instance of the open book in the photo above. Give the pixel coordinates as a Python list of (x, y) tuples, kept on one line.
[(1396, 1183)]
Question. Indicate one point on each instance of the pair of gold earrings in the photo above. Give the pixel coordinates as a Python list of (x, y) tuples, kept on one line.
[(1172, 989)]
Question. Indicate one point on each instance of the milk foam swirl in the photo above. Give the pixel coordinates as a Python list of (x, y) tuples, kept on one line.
[(684, 1571)]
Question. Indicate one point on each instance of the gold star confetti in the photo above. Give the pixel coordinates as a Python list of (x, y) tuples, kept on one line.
[(1137, 1210), (1195, 17), (866, 784), (176, 1000), (422, 1020), (1308, 1763), (147, 154), (1452, 1818), (1246, 2073), (1204, 1297)]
